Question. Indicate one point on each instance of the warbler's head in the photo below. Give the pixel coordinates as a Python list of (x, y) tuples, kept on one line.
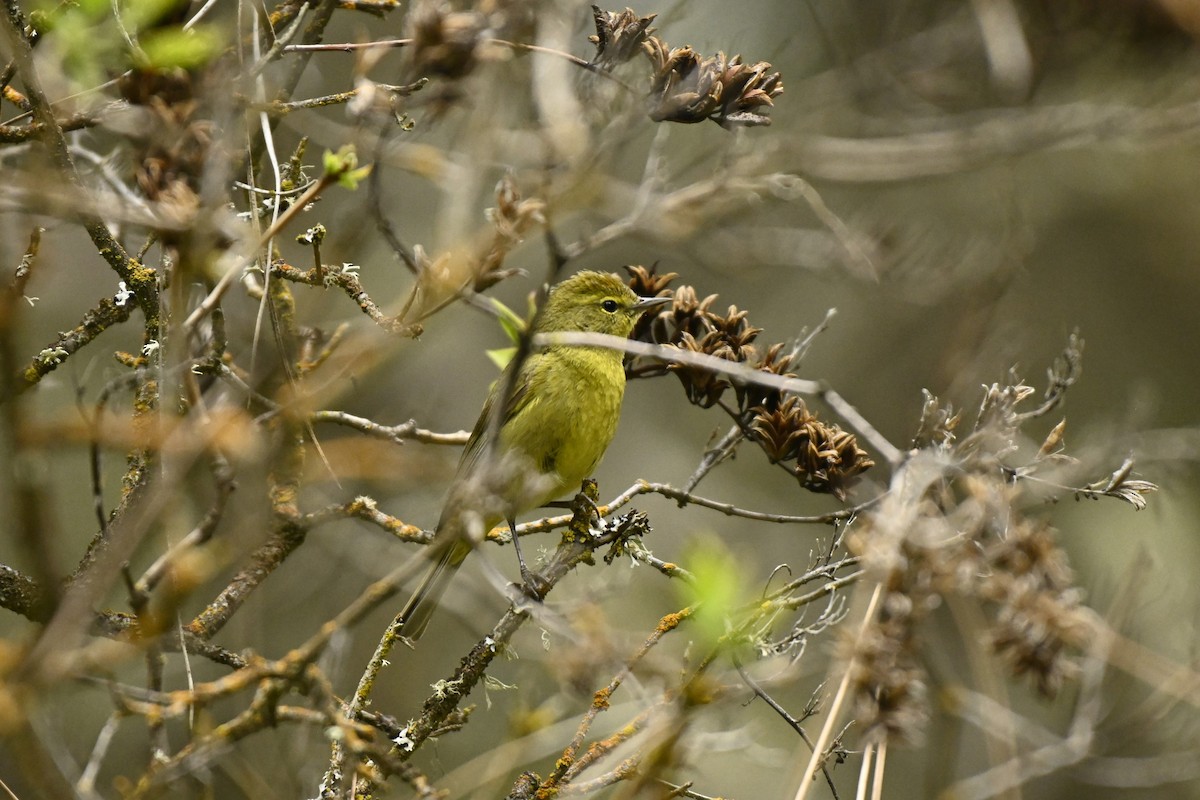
[(598, 302)]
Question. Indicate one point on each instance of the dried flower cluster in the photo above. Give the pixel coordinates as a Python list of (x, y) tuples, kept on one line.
[(688, 88), (512, 217), (969, 542), (823, 457), (956, 529), (619, 36), (453, 273), (445, 43), (177, 137), (685, 86), (891, 689)]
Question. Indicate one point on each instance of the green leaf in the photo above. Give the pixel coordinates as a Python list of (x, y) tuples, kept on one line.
[(168, 48), (349, 180), (514, 327), (343, 167), (141, 14), (717, 589), (502, 356)]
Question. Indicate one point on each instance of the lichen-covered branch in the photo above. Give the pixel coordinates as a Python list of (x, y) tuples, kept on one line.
[(99, 319)]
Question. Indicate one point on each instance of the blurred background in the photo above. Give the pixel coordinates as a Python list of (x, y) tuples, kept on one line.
[(966, 183)]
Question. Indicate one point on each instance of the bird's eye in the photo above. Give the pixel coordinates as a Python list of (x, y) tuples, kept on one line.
[(610, 306)]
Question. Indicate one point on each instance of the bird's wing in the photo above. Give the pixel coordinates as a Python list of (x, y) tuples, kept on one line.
[(518, 399)]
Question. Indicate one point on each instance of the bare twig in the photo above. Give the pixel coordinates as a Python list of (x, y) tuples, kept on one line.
[(738, 371), (394, 433)]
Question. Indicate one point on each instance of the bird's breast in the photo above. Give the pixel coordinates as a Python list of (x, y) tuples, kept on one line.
[(578, 397)]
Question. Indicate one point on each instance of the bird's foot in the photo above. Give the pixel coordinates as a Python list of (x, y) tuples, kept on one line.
[(534, 585), (583, 503)]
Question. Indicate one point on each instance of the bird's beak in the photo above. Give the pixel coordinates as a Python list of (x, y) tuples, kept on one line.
[(644, 303)]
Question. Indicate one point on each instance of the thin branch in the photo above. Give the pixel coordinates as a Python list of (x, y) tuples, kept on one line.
[(141, 282), (345, 279), (715, 455), (775, 706), (730, 510), (603, 698), (835, 708), (99, 319), (234, 264), (393, 433), (364, 508), (964, 144), (15, 134), (736, 370)]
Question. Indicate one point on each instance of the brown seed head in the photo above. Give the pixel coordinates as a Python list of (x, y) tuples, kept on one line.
[(687, 88), (445, 43), (620, 35)]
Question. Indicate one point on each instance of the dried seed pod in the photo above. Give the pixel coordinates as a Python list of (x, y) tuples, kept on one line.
[(620, 35), (687, 88), (445, 43), (647, 282)]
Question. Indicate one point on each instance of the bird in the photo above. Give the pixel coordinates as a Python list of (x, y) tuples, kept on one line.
[(560, 414)]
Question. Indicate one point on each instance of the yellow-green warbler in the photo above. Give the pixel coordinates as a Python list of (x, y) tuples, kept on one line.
[(561, 413)]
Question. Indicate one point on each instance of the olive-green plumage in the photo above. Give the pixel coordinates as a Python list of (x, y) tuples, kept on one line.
[(561, 414)]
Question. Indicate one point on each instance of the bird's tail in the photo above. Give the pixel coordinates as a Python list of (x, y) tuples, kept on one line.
[(414, 617)]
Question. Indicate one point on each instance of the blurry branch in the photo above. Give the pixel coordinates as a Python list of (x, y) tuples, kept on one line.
[(201, 533), (349, 47), (1047, 751), (341, 98), (378, 8), (23, 595), (338, 168), (576, 547), (602, 699), (965, 144), (271, 680), (81, 204), (465, 273), (1009, 57), (23, 488), (141, 282), (288, 529), (680, 213), (15, 134)]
